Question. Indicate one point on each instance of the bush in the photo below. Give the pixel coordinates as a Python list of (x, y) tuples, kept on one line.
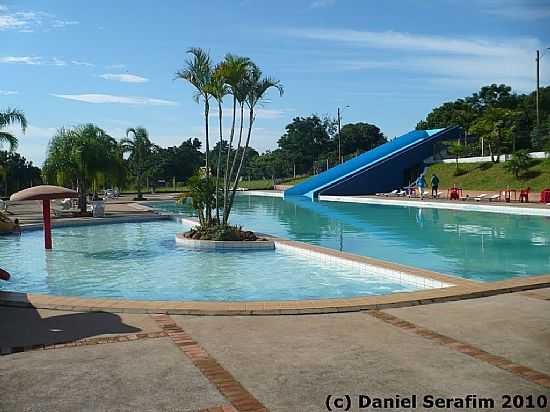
[(220, 232)]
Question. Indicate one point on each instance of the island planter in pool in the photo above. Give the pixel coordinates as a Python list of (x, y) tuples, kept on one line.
[(253, 243), (199, 244)]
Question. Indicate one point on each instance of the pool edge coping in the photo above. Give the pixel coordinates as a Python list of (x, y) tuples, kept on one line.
[(299, 307)]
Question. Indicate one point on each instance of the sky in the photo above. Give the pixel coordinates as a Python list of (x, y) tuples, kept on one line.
[(112, 63)]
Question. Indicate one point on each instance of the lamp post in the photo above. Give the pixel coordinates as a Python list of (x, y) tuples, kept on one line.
[(539, 55), (339, 139)]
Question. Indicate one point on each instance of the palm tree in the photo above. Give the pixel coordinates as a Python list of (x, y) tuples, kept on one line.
[(198, 72), (234, 71), (140, 149), (257, 87), (218, 89), (456, 149), (519, 162), (9, 117), (79, 156)]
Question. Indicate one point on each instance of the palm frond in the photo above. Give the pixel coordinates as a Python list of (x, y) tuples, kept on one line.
[(12, 116), (10, 139)]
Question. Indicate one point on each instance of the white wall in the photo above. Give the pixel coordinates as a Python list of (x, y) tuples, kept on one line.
[(479, 159)]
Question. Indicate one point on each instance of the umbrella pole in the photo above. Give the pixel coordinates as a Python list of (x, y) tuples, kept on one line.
[(47, 224)]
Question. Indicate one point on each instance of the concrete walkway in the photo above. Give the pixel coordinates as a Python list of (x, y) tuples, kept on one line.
[(489, 347)]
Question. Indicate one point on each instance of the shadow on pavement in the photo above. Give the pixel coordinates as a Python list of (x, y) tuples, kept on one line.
[(26, 327)]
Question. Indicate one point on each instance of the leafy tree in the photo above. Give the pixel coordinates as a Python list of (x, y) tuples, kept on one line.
[(360, 137), (141, 155), (497, 127), (306, 138), (7, 118), (519, 163), (80, 157), (179, 162), (17, 173)]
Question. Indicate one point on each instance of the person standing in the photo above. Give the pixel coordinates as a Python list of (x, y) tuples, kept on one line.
[(435, 185), (421, 184)]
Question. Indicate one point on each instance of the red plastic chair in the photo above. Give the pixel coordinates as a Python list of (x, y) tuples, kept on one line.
[(524, 195)]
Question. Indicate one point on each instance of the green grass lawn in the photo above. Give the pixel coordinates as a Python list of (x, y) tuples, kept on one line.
[(491, 176), (267, 184)]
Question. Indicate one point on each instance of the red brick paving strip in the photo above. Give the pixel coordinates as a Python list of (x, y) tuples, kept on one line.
[(523, 371), (84, 342), (241, 400), (223, 408)]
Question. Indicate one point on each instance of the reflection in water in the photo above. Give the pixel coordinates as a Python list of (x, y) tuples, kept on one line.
[(483, 246)]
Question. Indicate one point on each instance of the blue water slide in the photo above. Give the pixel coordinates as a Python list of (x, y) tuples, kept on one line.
[(378, 170)]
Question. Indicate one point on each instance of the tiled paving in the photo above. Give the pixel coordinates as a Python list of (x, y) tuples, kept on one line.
[(462, 347), (240, 398), (513, 326), (145, 375), (280, 363), (293, 363)]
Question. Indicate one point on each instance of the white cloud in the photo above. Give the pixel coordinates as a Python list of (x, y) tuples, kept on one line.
[(517, 9), (39, 60), (417, 42), (8, 92), (317, 4), (126, 78), (21, 60), (108, 98), (29, 21), (81, 63), (467, 61)]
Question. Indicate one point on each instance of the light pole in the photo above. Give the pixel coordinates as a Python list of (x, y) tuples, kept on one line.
[(539, 55), (339, 139)]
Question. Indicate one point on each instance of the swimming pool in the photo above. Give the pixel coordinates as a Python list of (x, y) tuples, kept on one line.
[(473, 245), (141, 261)]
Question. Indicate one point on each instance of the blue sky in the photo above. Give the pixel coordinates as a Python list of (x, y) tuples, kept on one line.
[(113, 62)]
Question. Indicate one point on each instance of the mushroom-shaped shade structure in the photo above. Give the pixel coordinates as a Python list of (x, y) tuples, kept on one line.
[(44, 193)]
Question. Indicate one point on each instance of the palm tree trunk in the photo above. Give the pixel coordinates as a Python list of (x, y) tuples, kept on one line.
[(227, 211), (238, 144), (219, 162), (83, 196), (227, 178), (206, 113), (138, 184)]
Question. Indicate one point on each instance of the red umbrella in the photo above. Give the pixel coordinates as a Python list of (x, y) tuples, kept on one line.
[(44, 193)]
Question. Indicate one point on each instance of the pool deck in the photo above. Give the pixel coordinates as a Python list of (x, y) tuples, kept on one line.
[(67, 361), (67, 354)]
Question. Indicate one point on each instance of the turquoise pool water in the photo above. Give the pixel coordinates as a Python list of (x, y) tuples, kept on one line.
[(473, 245), (141, 261)]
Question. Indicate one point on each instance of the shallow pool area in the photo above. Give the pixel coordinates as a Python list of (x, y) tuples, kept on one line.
[(141, 261), (473, 245)]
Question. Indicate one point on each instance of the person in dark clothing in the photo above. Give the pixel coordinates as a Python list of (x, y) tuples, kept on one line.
[(435, 185)]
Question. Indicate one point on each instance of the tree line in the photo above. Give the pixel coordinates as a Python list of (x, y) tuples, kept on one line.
[(497, 119)]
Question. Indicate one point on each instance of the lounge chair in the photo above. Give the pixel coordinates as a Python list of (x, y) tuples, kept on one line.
[(467, 197), (493, 197), (3, 206), (392, 193), (480, 197), (438, 195)]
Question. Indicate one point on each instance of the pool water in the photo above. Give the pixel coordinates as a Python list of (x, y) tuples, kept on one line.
[(473, 245), (141, 261)]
